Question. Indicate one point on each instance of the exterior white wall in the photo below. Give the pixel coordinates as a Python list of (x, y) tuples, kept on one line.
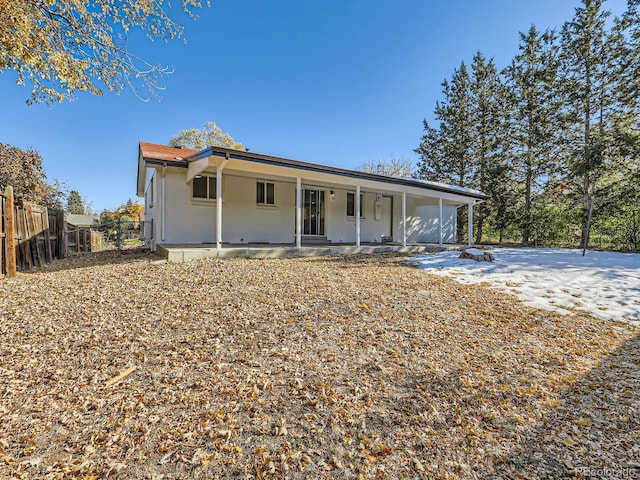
[(243, 221), (151, 207), (187, 220), (422, 224), (193, 221), (342, 229), (411, 205)]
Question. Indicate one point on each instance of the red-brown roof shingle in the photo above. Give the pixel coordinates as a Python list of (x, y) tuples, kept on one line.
[(165, 153)]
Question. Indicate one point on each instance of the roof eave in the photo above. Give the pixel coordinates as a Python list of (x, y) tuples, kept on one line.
[(284, 162), (144, 162)]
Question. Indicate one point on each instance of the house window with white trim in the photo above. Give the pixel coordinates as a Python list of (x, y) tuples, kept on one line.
[(265, 193), (204, 187), (351, 204)]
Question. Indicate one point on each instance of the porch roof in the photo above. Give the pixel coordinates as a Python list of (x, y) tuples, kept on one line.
[(160, 155)]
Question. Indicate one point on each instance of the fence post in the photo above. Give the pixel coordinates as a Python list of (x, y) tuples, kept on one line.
[(62, 234), (10, 228), (48, 252)]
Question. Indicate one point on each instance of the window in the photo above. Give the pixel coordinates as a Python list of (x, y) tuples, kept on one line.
[(351, 204), (265, 193), (204, 187)]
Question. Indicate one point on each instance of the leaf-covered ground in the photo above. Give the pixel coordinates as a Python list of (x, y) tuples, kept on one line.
[(332, 367)]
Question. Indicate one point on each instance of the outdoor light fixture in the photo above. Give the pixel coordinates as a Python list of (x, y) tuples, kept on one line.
[(332, 195)]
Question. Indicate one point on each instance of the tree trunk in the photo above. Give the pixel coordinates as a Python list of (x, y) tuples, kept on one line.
[(585, 153), (526, 231), (585, 210)]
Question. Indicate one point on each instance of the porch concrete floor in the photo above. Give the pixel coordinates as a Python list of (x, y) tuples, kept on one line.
[(186, 252)]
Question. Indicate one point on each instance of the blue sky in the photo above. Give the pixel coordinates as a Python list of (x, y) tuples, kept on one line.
[(338, 82)]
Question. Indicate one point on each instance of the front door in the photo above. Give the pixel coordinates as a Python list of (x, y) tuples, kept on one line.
[(313, 212)]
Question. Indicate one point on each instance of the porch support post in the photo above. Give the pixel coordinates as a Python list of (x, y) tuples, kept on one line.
[(218, 208), (163, 204), (440, 221), (404, 219), (357, 212), (471, 224), (219, 170), (299, 212)]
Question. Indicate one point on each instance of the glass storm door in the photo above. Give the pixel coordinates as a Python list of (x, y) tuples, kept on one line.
[(313, 212)]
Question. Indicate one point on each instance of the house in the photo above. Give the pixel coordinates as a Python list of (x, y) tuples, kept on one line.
[(81, 221), (228, 197)]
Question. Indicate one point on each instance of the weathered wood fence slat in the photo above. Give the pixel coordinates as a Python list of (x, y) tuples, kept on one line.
[(8, 250), (32, 235), (3, 236), (80, 239)]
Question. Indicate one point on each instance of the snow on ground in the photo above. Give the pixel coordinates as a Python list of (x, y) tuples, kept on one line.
[(605, 284)]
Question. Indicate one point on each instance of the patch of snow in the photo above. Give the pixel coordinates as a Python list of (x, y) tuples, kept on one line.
[(605, 284)]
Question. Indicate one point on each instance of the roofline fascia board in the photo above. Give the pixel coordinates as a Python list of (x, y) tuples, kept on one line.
[(268, 160), (165, 163)]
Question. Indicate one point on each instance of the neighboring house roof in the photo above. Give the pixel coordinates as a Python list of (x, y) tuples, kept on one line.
[(81, 220), (152, 154), (164, 153)]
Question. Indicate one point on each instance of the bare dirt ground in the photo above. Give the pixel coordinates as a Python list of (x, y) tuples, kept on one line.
[(335, 367)]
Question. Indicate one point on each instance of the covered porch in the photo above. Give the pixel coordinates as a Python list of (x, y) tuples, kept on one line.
[(399, 213)]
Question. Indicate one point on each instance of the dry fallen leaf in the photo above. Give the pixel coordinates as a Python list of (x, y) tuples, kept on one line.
[(330, 367)]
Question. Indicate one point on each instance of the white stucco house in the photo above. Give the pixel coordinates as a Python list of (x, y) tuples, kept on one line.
[(227, 198)]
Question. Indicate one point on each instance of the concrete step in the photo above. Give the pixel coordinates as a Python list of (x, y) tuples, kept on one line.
[(314, 240)]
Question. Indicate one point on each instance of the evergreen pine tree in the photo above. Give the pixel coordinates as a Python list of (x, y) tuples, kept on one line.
[(593, 108), (565, 119), (75, 204), (486, 114), (532, 85), (445, 152), (627, 36)]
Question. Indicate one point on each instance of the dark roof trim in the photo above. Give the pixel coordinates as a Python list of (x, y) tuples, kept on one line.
[(167, 163)]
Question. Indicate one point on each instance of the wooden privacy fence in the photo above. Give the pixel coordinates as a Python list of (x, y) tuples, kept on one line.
[(31, 235), (83, 239)]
